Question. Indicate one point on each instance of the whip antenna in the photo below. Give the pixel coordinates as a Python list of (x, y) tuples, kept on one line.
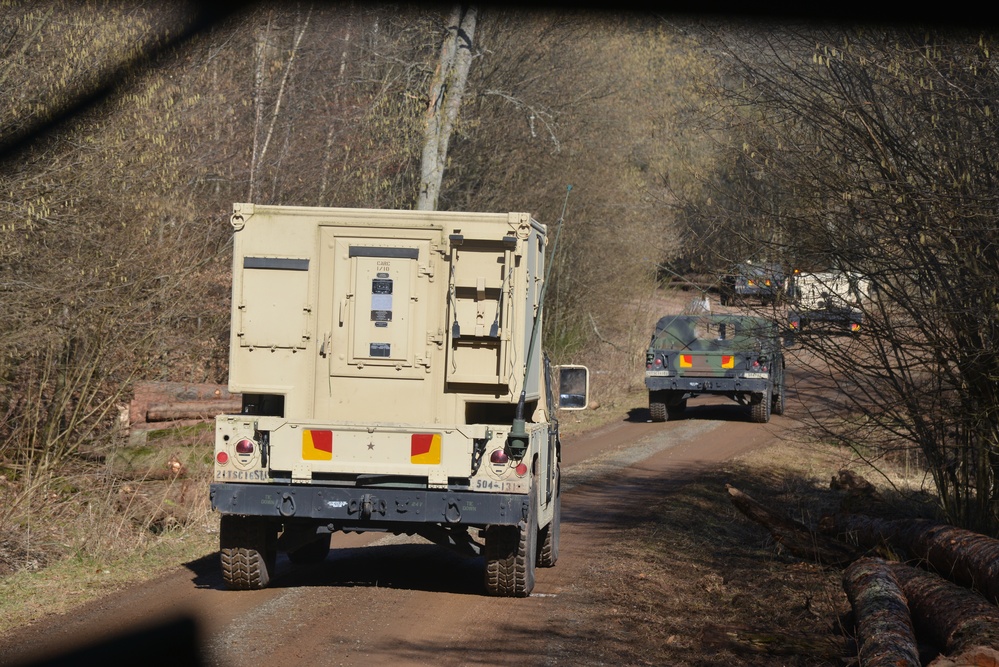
[(516, 441)]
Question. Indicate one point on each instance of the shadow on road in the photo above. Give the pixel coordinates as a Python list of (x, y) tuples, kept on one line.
[(720, 411), (424, 566)]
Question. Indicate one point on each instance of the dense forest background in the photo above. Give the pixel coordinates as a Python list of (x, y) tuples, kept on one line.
[(129, 129)]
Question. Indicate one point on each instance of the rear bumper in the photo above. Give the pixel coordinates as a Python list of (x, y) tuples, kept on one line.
[(833, 315), (707, 385), (369, 508)]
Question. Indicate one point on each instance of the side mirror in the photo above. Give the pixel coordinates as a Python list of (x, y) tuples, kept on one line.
[(573, 387)]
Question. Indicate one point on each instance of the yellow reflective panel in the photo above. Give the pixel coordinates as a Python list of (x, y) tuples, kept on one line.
[(317, 445), (425, 448)]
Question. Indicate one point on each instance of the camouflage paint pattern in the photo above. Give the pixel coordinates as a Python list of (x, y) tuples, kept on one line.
[(709, 345)]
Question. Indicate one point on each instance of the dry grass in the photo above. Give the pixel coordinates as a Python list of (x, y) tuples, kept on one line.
[(689, 570)]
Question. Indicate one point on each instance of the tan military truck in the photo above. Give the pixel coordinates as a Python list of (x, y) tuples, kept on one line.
[(391, 381), (834, 298)]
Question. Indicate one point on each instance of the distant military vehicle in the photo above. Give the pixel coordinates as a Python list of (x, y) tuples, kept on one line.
[(748, 281), (391, 381), (736, 356), (831, 297)]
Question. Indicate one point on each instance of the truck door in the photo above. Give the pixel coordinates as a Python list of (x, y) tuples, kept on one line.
[(373, 314)]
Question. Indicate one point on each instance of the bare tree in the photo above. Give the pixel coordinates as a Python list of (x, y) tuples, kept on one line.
[(877, 149), (447, 89)]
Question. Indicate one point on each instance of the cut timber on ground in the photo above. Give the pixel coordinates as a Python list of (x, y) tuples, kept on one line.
[(796, 537), (963, 556), (885, 636), (954, 618)]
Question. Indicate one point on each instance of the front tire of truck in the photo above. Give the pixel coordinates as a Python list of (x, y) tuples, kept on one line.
[(511, 554), (248, 551), (778, 402), (549, 536), (779, 393), (759, 407)]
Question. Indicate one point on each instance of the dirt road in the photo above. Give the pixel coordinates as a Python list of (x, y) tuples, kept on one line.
[(401, 601)]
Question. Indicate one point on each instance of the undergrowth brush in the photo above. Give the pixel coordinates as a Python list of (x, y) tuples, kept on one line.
[(99, 524)]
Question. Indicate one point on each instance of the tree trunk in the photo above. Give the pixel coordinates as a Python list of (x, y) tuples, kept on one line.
[(446, 92), (796, 537), (884, 628), (965, 557), (953, 617)]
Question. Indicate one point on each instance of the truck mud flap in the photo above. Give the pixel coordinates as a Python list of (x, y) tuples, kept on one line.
[(348, 508)]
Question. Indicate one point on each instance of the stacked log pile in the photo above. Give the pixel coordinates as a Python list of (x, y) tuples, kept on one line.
[(161, 405), (936, 583)]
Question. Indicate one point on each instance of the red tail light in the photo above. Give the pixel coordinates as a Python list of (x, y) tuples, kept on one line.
[(222, 458), (244, 446)]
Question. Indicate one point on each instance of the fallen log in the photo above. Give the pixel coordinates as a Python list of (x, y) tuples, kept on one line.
[(963, 556), (191, 410), (885, 636), (796, 537), (956, 619), (746, 640), (146, 394)]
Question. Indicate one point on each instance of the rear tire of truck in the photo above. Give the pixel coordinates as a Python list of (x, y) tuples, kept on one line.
[(247, 551), (511, 554), (658, 411), (548, 538), (664, 405)]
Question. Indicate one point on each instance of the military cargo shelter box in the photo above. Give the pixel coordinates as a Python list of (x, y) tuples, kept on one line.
[(391, 380)]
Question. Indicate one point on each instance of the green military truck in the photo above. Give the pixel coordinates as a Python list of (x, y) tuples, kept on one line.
[(391, 381), (736, 356), (764, 283)]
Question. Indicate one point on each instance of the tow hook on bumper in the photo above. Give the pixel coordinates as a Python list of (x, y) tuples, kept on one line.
[(366, 505)]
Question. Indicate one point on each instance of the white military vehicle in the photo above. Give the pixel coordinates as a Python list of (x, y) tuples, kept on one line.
[(833, 297), (391, 380)]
